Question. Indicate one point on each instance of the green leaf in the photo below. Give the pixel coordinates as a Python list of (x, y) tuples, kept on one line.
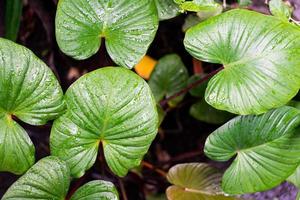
[(199, 5), (167, 9), (110, 105), (96, 190), (260, 58), (199, 90), (267, 149), (190, 21), (245, 2), (280, 9), (204, 112), (195, 181), (30, 91), (16, 148), (128, 27), (168, 77), (13, 13), (47, 179), (50, 179), (295, 177)]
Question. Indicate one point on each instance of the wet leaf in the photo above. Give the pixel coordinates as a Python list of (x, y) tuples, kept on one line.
[(50, 179), (195, 181), (260, 58), (169, 77), (96, 190), (267, 149), (110, 105), (167, 9), (30, 91), (128, 27)]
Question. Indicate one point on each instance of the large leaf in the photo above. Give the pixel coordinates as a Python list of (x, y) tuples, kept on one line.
[(50, 179), (260, 55), (169, 77), (267, 149), (110, 105), (30, 91), (47, 179), (96, 190), (167, 9), (195, 181), (127, 26)]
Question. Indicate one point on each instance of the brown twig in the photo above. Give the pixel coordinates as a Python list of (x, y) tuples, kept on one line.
[(164, 102), (123, 190), (152, 167)]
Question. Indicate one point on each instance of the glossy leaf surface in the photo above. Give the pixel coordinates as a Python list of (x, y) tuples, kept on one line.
[(260, 58), (47, 179), (169, 77), (127, 26), (110, 105), (96, 190), (267, 149), (29, 91), (166, 9), (195, 181)]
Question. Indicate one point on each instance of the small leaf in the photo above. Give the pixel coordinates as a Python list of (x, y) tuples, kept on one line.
[(169, 77), (260, 58), (204, 112), (295, 178), (190, 21), (199, 5), (245, 2), (267, 149), (110, 105), (96, 190), (13, 13), (280, 9), (29, 91), (128, 27), (194, 181), (199, 90), (167, 9), (47, 179)]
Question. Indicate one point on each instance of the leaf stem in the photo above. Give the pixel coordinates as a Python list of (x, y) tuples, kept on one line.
[(164, 102), (123, 190), (152, 167)]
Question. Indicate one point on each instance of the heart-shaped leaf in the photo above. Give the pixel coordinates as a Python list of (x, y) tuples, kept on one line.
[(168, 77), (267, 149), (127, 26), (47, 179), (204, 112), (96, 190), (50, 179), (110, 105), (194, 181), (167, 9), (29, 91), (260, 55)]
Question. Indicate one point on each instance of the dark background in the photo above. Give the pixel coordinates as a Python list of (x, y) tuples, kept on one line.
[(181, 137)]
